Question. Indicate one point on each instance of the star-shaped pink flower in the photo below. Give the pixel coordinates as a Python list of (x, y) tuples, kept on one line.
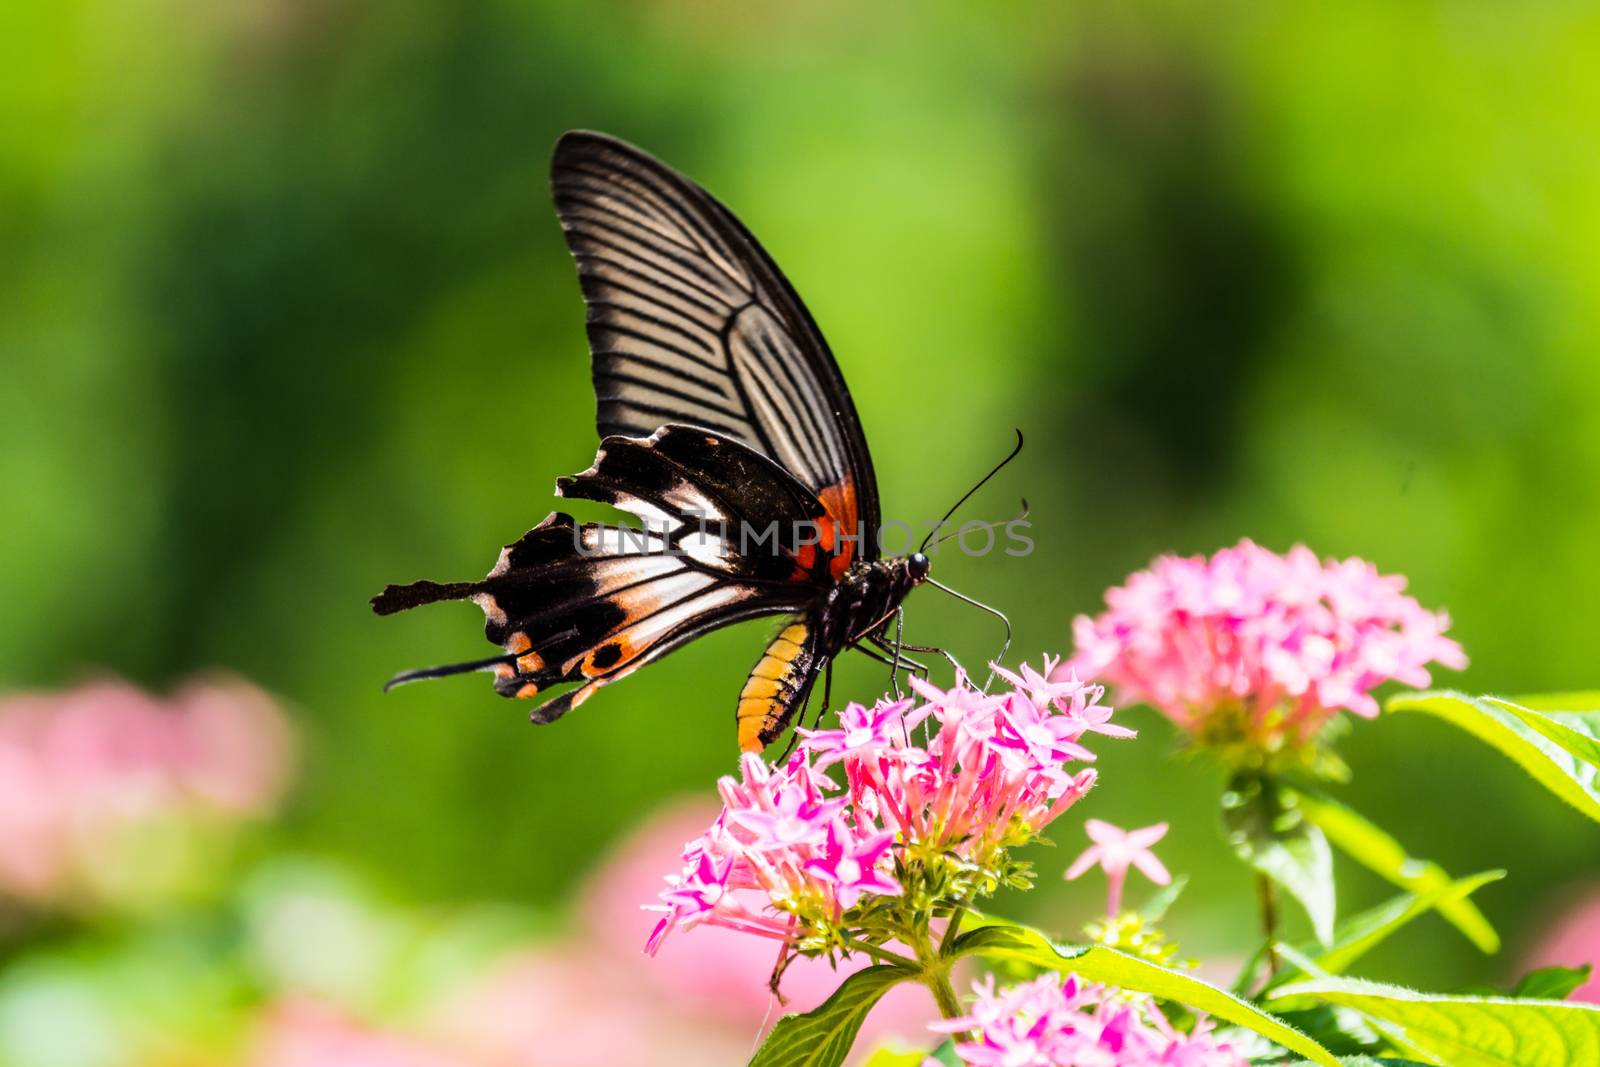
[(1114, 851), (863, 732), (1029, 728), (850, 864), (797, 817)]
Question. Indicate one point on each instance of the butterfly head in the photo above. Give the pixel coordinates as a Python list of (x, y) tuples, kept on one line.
[(917, 567)]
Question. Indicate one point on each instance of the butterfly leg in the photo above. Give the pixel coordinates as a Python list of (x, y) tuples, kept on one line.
[(919, 669), (996, 612), (884, 643)]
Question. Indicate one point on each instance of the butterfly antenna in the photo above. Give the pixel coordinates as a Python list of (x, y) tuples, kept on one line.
[(1018, 517), (968, 494), (448, 669), (996, 612)]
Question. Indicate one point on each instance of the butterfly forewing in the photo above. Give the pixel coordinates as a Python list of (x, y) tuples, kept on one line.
[(691, 322)]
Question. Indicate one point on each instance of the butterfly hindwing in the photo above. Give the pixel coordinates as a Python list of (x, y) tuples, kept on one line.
[(691, 322), (588, 603)]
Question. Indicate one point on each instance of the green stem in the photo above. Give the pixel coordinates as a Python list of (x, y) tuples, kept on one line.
[(882, 955), (951, 930), (935, 968), (1269, 920), (944, 995)]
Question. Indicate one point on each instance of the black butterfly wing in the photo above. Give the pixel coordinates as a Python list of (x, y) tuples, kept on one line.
[(691, 322), (724, 540)]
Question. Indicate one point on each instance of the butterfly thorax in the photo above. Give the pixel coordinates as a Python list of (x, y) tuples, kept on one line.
[(864, 599)]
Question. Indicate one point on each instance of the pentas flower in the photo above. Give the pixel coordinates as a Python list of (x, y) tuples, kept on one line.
[(114, 798), (850, 863), (935, 793), (1114, 851), (1254, 648), (1054, 1023)]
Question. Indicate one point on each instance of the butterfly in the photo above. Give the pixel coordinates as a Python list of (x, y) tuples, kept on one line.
[(727, 428)]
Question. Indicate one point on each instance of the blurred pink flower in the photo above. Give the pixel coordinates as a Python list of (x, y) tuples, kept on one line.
[(301, 1032), (1573, 940), (567, 1006), (1279, 642), (103, 786), (1114, 851), (1053, 1023), (236, 750), (784, 863)]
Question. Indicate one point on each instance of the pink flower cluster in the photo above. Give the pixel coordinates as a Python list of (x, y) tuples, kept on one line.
[(793, 849), (1285, 641), (96, 783), (1051, 1023)]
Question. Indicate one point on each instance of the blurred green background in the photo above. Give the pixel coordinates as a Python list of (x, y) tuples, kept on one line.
[(285, 315)]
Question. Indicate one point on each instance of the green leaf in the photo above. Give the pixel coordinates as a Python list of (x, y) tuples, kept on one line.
[(1268, 831), (1374, 849), (1339, 1030), (945, 1054), (1155, 909), (1100, 964), (1540, 752), (1585, 700), (1471, 1031), (822, 1037), (1577, 732), (1365, 1061), (1362, 933), (1552, 983)]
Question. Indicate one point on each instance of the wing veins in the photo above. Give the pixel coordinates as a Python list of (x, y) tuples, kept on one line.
[(664, 390), (697, 358), (693, 264), (665, 282), (681, 203)]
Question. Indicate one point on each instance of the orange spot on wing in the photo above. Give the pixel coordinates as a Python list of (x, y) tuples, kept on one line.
[(836, 532), (840, 500), (616, 652)]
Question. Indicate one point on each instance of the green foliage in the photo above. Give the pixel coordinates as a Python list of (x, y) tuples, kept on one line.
[(1099, 964), (945, 1055), (1376, 850), (1267, 830), (1459, 1031), (1362, 933), (1556, 748), (1130, 933), (1155, 909), (823, 1036), (1576, 732), (1552, 983)]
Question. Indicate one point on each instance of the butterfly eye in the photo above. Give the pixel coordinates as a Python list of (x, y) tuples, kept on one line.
[(918, 566)]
